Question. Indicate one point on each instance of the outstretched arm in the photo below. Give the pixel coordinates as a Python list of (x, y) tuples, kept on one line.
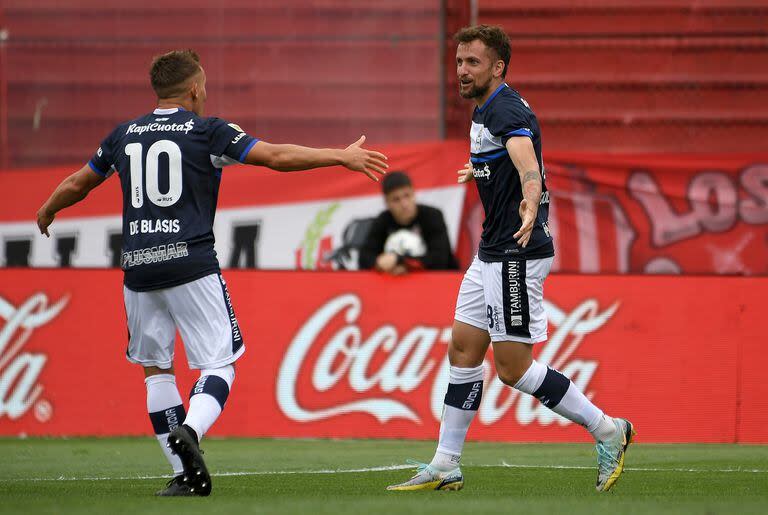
[(72, 190), (289, 158), (524, 158)]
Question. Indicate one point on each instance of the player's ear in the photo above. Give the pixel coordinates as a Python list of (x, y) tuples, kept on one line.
[(498, 69), (193, 91)]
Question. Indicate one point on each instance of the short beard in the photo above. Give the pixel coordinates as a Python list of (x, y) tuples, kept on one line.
[(476, 91)]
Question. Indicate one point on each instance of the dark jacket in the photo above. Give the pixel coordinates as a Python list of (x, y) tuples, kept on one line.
[(429, 223)]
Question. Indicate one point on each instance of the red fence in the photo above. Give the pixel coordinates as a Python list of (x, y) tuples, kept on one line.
[(361, 355)]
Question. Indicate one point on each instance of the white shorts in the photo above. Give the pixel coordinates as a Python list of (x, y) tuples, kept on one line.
[(202, 312), (506, 299)]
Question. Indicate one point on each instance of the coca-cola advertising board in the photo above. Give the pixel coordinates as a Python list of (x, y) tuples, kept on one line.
[(348, 355)]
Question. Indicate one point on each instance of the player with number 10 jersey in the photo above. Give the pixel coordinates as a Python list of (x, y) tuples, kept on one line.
[(170, 164)]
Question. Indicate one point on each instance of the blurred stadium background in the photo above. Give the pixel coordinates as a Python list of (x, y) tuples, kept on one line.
[(605, 76), (654, 117)]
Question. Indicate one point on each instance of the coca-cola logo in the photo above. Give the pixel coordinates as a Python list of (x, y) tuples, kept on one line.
[(410, 361), (20, 371)]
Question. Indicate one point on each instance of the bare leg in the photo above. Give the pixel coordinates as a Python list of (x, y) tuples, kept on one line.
[(153, 371), (512, 360), (468, 345)]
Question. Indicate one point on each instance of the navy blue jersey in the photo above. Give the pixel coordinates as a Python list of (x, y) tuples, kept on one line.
[(169, 163), (506, 115)]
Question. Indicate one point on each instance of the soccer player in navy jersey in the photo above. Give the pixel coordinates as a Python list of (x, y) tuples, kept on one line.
[(169, 163), (500, 300)]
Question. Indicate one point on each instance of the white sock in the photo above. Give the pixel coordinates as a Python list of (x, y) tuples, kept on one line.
[(603, 428), (208, 396), (559, 394), (465, 390), (166, 412)]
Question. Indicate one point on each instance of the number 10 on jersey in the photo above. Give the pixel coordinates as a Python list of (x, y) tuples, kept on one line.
[(163, 146)]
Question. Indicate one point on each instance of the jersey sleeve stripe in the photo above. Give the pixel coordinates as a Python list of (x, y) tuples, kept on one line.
[(95, 169), (521, 132), (248, 149), (482, 158)]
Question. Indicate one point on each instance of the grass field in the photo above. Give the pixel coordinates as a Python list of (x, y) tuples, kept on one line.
[(111, 476)]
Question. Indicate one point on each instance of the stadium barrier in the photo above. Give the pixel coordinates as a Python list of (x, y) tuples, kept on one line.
[(362, 355), (643, 214)]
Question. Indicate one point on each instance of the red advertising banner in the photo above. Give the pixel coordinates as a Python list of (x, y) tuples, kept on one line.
[(652, 214), (644, 214), (362, 355)]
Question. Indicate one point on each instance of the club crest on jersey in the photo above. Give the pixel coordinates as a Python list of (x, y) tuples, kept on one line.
[(482, 173), (478, 143)]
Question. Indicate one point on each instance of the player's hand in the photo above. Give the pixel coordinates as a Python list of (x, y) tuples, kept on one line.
[(467, 173), (369, 162), (528, 216), (44, 219), (386, 262)]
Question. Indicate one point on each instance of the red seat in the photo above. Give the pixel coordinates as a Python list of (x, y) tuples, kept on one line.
[(602, 75), (621, 75)]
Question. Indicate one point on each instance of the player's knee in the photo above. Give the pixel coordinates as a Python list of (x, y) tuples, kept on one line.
[(154, 371), (510, 375), (468, 345), (457, 347), (465, 356)]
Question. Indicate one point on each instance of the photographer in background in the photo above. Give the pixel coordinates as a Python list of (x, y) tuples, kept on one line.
[(406, 236)]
